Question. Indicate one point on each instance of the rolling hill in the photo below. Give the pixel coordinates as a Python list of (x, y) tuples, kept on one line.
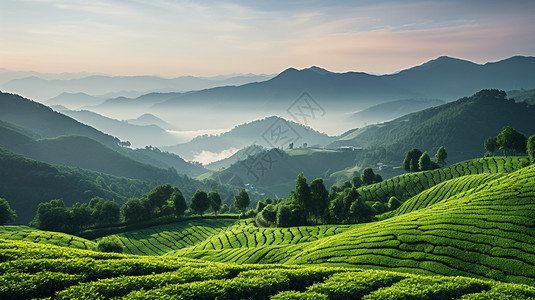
[(391, 110), (74, 100), (460, 126), (31, 270), (138, 135), (274, 170), (476, 227), (44, 121), (26, 183), (271, 132), (150, 119), (37, 121)]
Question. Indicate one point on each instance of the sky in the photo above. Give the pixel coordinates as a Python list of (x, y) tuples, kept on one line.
[(172, 38)]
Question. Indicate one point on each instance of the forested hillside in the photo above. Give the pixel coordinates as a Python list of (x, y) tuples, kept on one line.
[(460, 126)]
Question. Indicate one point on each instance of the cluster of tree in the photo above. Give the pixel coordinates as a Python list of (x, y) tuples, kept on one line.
[(161, 201), (313, 203), (416, 161), (55, 216), (510, 141), (6, 213)]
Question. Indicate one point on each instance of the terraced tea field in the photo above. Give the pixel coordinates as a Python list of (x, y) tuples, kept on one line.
[(32, 271), (246, 243), (159, 240), (483, 232), (29, 234), (444, 191), (478, 225), (409, 185)]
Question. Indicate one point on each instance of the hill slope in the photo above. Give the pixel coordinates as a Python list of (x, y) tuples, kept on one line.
[(486, 232), (30, 270), (270, 132), (25, 183), (44, 121), (138, 135), (391, 110), (20, 116), (461, 127)]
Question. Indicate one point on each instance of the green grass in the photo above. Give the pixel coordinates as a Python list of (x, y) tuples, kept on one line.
[(32, 270), (29, 234)]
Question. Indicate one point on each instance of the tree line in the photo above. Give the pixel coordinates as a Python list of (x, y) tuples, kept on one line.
[(162, 201)]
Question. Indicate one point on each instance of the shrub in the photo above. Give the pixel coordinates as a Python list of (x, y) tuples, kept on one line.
[(109, 244)]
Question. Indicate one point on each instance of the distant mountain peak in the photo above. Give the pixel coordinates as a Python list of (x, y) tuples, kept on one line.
[(318, 70)]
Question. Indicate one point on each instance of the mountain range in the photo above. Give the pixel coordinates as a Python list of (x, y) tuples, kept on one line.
[(42, 89), (443, 78)]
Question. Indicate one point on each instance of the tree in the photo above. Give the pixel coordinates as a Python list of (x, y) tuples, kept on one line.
[(356, 181), (104, 211), (424, 163), (51, 216), (260, 205), (511, 141), (302, 192), (6, 213), (530, 149), (179, 202), (134, 210), (378, 178), (81, 215), (269, 213), (319, 197), (490, 145), (199, 202), (215, 201), (241, 201), (361, 211), (441, 156), (410, 163), (368, 177), (290, 215), (158, 197)]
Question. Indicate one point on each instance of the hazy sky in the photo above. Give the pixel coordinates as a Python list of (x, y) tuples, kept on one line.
[(175, 37)]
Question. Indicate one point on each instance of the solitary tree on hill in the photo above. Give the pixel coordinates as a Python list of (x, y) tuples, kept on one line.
[(199, 202), (441, 156)]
